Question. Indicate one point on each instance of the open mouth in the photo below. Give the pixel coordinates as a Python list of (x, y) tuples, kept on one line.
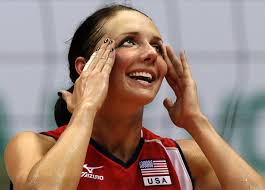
[(142, 76)]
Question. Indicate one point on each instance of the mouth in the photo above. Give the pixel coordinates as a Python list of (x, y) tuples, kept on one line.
[(142, 76)]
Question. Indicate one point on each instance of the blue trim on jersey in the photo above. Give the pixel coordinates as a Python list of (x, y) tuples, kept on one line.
[(106, 153)]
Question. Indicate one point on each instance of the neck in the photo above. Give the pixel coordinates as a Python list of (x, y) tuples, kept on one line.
[(119, 131)]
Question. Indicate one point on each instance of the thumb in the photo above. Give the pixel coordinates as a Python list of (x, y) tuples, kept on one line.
[(67, 97), (168, 103)]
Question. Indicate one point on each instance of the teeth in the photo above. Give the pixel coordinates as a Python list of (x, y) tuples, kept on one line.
[(143, 74)]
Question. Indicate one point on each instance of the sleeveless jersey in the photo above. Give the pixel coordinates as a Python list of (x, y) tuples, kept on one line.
[(157, 163)]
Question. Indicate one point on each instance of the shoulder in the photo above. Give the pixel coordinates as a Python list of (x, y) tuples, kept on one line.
[(194, 156), (152, 137), (201, 170), (23, 151), (28, 139)]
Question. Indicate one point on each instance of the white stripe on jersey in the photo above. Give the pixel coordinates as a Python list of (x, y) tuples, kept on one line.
[(178, 163)]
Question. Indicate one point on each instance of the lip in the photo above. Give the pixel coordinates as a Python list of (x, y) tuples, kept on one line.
[(139, 83), (152, 72)]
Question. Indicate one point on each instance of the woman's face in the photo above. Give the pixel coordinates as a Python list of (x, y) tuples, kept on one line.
[(139, 66)]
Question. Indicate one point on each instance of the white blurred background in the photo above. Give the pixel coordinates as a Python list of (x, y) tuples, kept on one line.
[(224, 40)]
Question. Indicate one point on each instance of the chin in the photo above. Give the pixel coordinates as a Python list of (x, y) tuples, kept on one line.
[(142, 98), (134, 93)]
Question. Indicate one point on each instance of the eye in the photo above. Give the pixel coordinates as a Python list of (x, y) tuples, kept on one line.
[(127, 42), (158, 48)]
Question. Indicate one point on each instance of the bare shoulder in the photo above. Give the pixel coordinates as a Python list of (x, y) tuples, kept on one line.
[(25, 140), (195, 158), (23, 151), (202, 172)]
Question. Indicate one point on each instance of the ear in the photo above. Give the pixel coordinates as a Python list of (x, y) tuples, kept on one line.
[(80, 64)]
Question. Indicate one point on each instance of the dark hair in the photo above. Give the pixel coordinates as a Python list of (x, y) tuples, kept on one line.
[(83, 43)]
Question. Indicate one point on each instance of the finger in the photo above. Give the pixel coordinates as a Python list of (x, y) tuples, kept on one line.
[(102, 61), (89, 61), (171, 76), (176, 61), (185, 65), (67, 97), (168, 103), (174, 84), (171, 70), (110, 62), (99, 54)]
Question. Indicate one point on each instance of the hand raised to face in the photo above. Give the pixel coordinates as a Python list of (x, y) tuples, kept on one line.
[(92, 85), (180, 80)]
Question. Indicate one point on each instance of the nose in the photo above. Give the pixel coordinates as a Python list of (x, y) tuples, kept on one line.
[(149, 54)]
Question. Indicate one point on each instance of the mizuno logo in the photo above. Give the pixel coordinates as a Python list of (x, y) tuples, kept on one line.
[(90, 173), (91, 169)]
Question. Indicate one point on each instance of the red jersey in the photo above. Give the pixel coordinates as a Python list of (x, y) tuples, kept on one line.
[(157, 163)]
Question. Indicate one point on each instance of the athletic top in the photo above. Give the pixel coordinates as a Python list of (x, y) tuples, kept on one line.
[(157, 163)]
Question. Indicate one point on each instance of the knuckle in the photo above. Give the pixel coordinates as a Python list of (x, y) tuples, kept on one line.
[(109, 61), (103, 57), (194, 82), (83, 76), (70, 107), (107, 68), (78, 80), (105, 75)]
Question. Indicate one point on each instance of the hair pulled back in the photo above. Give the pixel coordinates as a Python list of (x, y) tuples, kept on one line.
[(83, 44)]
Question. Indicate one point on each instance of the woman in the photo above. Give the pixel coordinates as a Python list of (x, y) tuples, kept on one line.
[(117, 67)]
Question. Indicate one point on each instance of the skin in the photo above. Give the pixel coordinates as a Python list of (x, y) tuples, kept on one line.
[(104, 84), (123, 92)]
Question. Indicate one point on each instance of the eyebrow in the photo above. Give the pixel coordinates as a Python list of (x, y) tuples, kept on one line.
[(138, 33)]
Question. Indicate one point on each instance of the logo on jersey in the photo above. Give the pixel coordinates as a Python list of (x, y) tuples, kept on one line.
[(89, 173), (155, 172)]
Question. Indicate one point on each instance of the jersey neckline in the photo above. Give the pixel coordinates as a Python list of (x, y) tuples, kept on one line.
[(109, 155)]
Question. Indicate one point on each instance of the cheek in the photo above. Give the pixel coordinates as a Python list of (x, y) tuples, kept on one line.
[(122, 59), (119, 66)]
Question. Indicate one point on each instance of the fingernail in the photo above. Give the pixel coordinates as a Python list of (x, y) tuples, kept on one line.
[(106, 40), (59, 94)]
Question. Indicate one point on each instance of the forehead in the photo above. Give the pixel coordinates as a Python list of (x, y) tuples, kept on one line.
[(130, 21)]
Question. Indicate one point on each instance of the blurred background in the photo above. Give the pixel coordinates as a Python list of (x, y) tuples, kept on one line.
[(224, 41)]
